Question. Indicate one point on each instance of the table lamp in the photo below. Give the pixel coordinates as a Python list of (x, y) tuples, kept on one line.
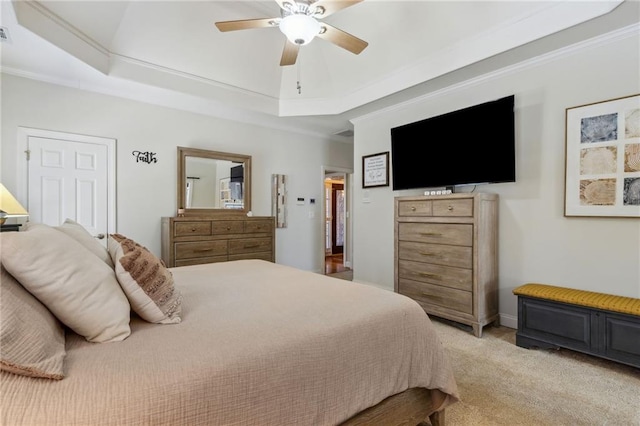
[(9, 206)]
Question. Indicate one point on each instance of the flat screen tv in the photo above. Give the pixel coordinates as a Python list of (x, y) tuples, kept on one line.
[(470, 146)]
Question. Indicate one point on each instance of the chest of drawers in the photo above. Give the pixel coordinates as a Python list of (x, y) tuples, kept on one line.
[(193, 240), (446, 255)]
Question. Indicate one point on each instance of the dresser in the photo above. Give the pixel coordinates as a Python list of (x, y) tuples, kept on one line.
[(446, 255), (196, 240)]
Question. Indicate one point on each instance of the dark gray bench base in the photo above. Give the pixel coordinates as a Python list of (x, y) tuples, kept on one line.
[(551, 325)]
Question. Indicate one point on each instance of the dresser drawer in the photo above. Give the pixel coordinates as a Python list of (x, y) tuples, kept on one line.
[(447, 208), (265, 255), (439, 254), (447, 276), (192, 250), (439, 233), (450, 298), (228, 227), (415, 208), (201, 260), (183, 229), (249, 245), (253, 226)]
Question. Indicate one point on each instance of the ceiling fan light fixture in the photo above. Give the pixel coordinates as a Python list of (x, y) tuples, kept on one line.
[(300, 29)]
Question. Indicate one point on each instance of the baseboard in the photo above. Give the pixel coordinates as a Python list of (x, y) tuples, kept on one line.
[(509, 321)]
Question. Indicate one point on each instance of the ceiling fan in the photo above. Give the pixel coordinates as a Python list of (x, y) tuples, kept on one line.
[(300, 23)]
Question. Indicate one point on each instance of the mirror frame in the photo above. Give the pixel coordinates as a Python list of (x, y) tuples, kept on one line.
[(184, 152)]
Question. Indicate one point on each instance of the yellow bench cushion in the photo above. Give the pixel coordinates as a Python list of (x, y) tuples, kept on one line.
[(592, 299)]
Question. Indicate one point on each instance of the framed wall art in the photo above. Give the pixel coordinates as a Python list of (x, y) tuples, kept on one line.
[(375, 170), (603, 159)]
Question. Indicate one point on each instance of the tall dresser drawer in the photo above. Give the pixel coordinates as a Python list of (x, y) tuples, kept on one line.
[(447, 276), (439, 233), (439, 254), (445, 208), (446, 297), (192, 250), (183, 229), (415, 208)]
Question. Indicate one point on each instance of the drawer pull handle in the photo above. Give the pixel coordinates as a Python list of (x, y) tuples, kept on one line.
[(228, 228), (202, 250), (252, 246), (193, 229), (429, 254), (424, 274), (450, 208), (431, 296), (431, 234), (413, 208)]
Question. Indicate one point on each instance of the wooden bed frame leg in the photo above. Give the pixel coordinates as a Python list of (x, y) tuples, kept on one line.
[(437, 418)]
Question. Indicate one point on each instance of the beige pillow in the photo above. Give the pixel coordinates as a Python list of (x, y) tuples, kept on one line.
[(31, 338), (146, 281), (76, 286), (81, 235)]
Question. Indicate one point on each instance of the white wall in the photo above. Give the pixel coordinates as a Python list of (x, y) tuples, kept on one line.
[(536, 242), (146, 192)]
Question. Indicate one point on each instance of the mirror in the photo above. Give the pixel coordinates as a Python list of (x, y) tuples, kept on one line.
[(212, 182)]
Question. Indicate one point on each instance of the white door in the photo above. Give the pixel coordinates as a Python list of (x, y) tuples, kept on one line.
[(70, 176)]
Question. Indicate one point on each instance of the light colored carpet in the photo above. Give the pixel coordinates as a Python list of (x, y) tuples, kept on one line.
[(503, 384)]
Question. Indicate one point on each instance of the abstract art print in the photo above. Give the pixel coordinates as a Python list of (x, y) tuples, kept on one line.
[(603, 159)]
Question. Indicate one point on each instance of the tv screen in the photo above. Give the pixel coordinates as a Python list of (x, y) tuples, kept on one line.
[(474, 145), (237, 174)]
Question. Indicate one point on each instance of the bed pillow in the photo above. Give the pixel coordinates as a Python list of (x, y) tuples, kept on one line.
[(81, 235), (146, 281), (31, 338), (76, 286)]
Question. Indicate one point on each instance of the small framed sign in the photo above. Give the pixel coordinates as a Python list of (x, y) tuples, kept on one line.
[(375, 170)]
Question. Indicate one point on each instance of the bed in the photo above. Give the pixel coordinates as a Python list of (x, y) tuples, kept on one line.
[(251, 343)]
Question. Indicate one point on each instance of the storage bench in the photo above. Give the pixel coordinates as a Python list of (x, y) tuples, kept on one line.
[(594, 323)]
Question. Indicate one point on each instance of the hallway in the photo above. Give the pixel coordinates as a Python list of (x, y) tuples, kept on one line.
[(334, 263), (334, 267)]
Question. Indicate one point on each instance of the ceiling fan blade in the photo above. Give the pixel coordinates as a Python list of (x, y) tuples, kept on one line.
[(340, 38), (289, 53), (245, 24), (331, 7)]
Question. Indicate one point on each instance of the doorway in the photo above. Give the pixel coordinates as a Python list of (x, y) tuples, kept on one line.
[(336, 223)]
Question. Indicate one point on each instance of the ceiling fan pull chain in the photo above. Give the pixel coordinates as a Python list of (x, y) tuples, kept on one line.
[(298, 86)]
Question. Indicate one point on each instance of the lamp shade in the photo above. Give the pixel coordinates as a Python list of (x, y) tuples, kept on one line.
[(300, 29), (9, 206)]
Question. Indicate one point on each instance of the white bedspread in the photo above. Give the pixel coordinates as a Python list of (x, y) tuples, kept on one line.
[(259, 344)]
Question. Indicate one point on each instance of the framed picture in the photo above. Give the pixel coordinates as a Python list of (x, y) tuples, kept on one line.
[(603, 159), (225, 191), (375, 170)]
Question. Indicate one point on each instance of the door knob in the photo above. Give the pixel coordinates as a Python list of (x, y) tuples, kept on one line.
[(99, 236)]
